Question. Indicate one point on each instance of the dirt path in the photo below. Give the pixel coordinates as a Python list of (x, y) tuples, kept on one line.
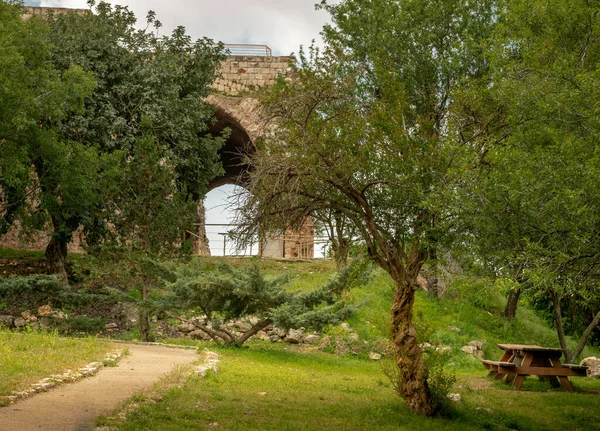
[(75, 406)]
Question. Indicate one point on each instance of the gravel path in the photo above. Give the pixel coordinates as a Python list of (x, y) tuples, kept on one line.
[(75, 406)]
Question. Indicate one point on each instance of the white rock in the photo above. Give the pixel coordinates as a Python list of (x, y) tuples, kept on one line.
[(346, 327), (476, 343), (374, 356), (469, 349), (454, 397), (593, 365)]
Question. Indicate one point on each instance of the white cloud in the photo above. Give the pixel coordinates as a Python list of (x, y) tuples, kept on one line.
[(284, 25)]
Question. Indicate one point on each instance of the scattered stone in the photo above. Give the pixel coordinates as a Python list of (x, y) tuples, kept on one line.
[(425, 346), (454, 329), (353, 337), (294, 336), (44, 311), (186, 328), (59, 315), (444, 349), (6, 321), (324, 343), (199, 335), (20, 322), (454, 397), (469, 349), (111, 326), (210, 364), (346, 327), (262, 394), (340, 347), (477, 344), (484, 410), (593, 365), (26, 315), (311, 339), (374, 356), (213, 425)]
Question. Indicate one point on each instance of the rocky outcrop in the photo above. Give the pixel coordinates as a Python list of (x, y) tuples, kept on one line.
[(593, 366)]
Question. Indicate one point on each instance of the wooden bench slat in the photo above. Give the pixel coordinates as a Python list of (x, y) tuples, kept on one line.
[(575, 367), (498, 363), (550, 371)]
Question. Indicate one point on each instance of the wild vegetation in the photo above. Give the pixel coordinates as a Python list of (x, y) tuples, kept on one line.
[(453, 139)]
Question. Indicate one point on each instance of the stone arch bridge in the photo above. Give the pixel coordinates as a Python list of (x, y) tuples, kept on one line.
[(237, 109), (246, 70)]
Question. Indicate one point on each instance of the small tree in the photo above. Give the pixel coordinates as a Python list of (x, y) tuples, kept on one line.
[(232, 294)]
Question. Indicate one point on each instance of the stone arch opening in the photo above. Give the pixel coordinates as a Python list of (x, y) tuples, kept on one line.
[(233, 153)]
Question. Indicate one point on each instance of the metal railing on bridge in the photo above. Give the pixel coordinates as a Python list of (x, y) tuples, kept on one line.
[(249, 50)]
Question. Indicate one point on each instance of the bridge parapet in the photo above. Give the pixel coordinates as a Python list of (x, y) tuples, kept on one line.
[(31, 11), (245, 74)]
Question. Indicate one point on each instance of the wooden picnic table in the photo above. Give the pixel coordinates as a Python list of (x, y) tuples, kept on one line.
[(520, 361)]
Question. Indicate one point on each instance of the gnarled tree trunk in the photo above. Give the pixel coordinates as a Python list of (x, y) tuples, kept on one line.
[(413, 370), (56, 254)]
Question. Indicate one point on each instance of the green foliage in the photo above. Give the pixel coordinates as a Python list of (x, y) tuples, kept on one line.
[(532, 197), (41, 290), (77, 325), (231, 294)]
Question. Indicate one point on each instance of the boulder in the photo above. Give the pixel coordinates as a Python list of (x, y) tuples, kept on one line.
[(20, 322), (593, 365), (6, 321), (26, 315), (44, 311), (111, 326), (294, 336)]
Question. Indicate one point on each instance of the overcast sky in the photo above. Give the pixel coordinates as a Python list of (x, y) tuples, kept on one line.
[(283, 25)]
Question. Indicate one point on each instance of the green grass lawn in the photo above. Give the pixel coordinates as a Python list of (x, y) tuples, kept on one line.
[(27, 358), (273, 388)]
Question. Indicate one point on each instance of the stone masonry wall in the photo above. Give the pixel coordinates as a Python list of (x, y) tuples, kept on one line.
[(243, 74), (31, 11)]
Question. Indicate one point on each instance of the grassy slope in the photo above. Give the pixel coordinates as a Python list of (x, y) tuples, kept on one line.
[(27, 358), (316, 391)]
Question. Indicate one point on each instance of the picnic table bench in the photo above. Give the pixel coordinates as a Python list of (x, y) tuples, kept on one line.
[(520, 361)]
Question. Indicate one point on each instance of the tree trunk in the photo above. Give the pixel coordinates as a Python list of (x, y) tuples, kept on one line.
[(201, 243), (341, 251), (510, 311), (413, 370), (144, 317), (56, 253), (559, 325)]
